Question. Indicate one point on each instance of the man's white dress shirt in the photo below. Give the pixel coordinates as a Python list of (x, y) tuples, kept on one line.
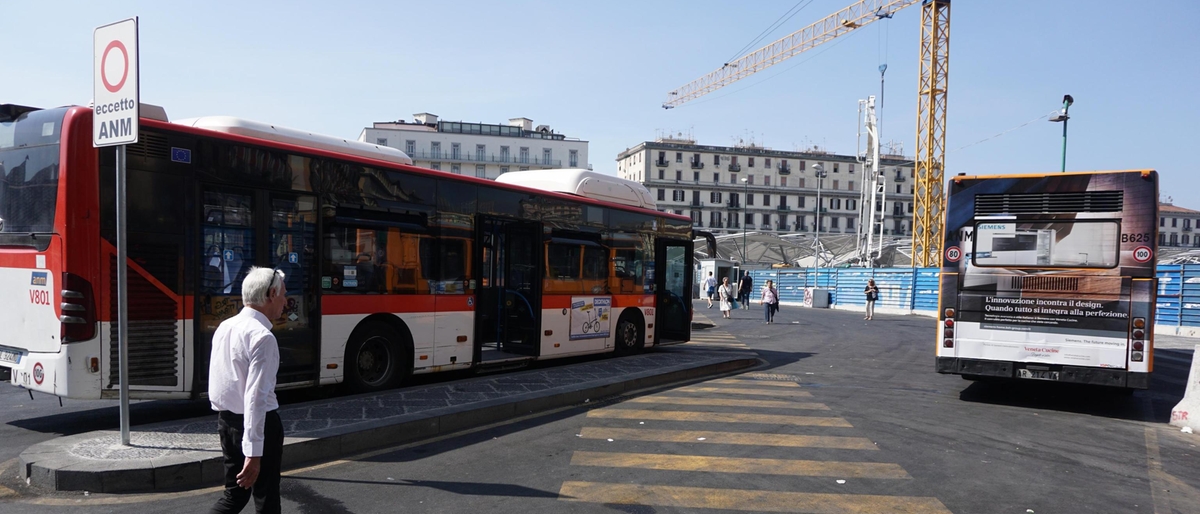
[(241, 373)]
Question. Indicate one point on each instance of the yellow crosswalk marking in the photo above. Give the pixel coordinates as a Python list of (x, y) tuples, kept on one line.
[(742, 499), (718, 417), (805, 468), (727, 402), (744, 390), (737, 438), (753, 383)]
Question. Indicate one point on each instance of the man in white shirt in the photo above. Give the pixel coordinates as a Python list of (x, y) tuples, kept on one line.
[(241, 388), (710, 288)]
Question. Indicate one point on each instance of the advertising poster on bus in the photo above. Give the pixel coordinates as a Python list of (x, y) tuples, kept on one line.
[(1045, 265), (589, 316)]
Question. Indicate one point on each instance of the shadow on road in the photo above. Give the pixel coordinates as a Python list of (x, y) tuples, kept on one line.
[(1152, 405)]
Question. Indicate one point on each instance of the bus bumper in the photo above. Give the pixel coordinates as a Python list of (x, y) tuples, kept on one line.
[(1072, 374)]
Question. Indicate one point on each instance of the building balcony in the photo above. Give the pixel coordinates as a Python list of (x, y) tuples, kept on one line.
[(800, 227), (661, 163), (822, 210), (785, 169), (1187, 229), (734, 205), (484, 159), (783, 207), (696, 204), (716, 225), (900, 178), (782, 228), (764, 227), (735, 167), (697, 165)]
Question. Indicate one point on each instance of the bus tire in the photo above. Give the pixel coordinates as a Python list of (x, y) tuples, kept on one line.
[(373, 358), (630, 337)]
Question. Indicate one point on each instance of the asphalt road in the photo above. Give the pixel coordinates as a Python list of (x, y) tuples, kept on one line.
[(854, 420)]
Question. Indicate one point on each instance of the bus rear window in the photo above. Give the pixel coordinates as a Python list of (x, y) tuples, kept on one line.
[(29, 162), (1066, 244)]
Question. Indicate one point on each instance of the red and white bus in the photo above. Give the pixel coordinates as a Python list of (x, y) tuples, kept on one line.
[(392, 270)]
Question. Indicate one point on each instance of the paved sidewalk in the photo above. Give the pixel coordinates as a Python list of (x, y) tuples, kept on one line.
[(186, 454)]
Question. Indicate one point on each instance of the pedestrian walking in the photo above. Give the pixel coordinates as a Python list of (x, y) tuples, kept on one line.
[(745, 287), (872, 293), (770, 301), (710, 288), (241, 388), (727, 297)]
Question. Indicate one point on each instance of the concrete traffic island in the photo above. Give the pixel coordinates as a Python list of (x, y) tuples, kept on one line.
[(186, 454)]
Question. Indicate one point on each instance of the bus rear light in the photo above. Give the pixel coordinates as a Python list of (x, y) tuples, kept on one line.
[(949, 313), (1139, 322), (78, 309), (949, 333), (1139, 334), (1139, 345), (94, 364), (949, 343), (1136, 356), (949, 323)]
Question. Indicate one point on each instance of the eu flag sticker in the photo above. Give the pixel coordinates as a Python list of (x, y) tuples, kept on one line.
[(39, 278), (181, 155)]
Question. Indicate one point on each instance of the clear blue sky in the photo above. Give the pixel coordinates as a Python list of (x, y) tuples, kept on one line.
[(600, 70)]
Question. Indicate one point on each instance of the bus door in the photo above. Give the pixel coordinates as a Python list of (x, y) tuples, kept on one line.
[(240, 229), (672, 290), (507, 317)]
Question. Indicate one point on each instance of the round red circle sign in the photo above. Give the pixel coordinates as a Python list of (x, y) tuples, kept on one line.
[(953, 254), (104, 66), (39, 374), (1143, 254)]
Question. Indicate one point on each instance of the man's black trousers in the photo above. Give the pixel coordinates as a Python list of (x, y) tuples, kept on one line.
[(266, 489)]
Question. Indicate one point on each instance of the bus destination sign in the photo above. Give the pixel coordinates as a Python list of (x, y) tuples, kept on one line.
[(115, 84)]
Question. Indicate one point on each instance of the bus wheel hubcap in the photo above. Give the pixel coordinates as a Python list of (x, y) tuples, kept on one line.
[(373, 360)]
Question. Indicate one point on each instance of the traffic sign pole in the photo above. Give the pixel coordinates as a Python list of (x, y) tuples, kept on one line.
[(122, 295)]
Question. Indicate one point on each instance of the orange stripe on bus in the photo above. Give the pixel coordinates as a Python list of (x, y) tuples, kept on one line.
[(366, 304)]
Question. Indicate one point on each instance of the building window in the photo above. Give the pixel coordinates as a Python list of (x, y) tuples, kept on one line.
[(750, 179), (662, 194), (835, 184), (833, 222), (455, 169), (749, 219), (547, 156), (381, 141), (716, 160), (1174, 221), (1186, 240), (677, 195), (835, 203), (716, 177), (714, 197), (783, 181), (800, 202), (782, 201), (573, 155), (480, 152), (1162, 222), (678, 175), (436, 166), (766, 180), (679, 157), (695, 198), (732, 179), (851, 186), (410, 147), (523, 168), (662, 158), (767, 162), (523, 155), (910, 208), (480, 171), (503, 170), (749, 162), (898, 188), (851, 171), (766, 200), (435, 150), (849, 223), (750, 199), (1174, 239), (835, 167), (696, 176), (503, 154), (455, 151), (800, 182), (850, 204), (660, 175)]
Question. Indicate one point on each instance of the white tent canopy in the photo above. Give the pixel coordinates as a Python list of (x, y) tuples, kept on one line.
[(763, 250)]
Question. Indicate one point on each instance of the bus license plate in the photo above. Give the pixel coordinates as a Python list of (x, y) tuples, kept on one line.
[(1036, 374), (12, 357)]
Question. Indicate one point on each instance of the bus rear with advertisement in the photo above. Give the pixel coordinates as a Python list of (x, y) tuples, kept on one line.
[(1050, 277)]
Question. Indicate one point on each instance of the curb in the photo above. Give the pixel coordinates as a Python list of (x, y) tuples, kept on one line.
[(49, 465)]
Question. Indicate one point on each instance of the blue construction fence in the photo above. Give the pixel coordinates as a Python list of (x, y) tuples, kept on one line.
[(915, 290)]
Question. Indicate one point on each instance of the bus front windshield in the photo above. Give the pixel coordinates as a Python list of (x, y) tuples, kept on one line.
[(1073, 244), (29, 170)]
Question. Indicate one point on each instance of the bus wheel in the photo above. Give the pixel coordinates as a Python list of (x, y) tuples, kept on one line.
[(371, 359), (629, 336)]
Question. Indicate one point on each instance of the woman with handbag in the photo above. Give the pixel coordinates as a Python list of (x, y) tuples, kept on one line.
[(770, 300), (727, 297), (872, 292)]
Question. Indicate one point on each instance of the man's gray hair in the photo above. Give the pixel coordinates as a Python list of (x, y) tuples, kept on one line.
[(256, 284)]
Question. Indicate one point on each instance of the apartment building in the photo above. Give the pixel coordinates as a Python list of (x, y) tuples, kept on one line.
[(479, 149), (724, 189), (1178, 226)]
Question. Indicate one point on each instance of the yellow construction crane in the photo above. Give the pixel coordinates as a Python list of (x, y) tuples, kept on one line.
[(928, 195)]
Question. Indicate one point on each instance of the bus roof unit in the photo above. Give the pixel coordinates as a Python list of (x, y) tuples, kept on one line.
[(241, 127), (585, 183)]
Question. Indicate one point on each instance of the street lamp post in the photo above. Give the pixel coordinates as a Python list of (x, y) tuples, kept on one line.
[(1063, 117), (745, 207)]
